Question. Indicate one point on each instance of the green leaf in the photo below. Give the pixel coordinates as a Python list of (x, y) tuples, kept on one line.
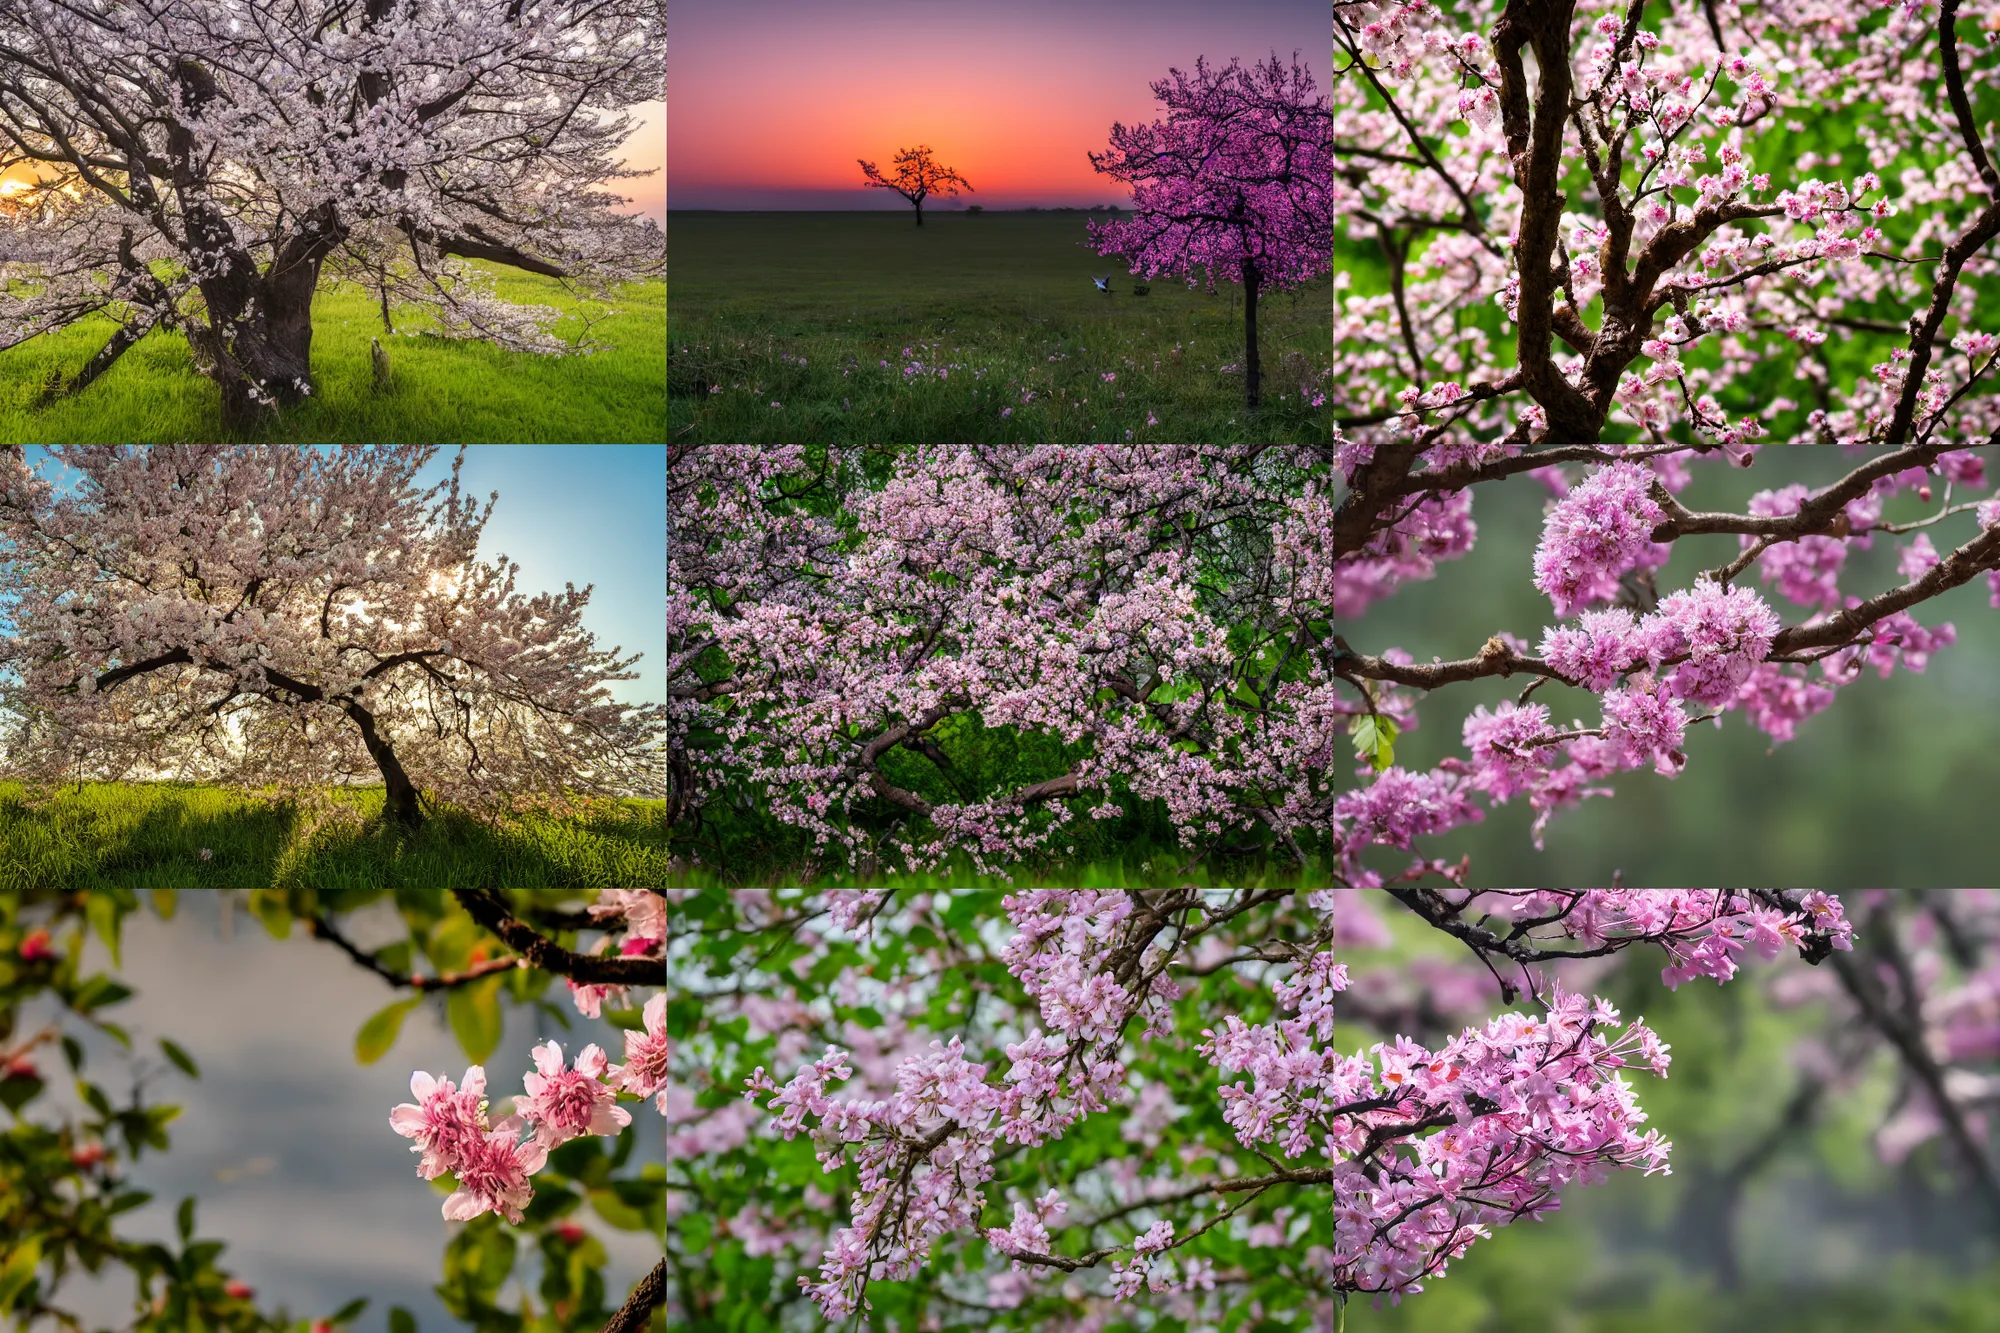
[(616, 1211), (130, 1199), (182, 1060), (94, 1097), (72, 1052), (19, 1270), (401, 1320), (16, 1093), (347, 1313), (101, 910), (1374, 739), (269, 905), (184, 1219), (98, 992), (163, 903), (475, 1017), (378, 1034)]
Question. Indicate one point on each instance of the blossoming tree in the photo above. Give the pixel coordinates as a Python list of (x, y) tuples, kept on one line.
[(1071, 1102), (1171, 625), (1570, 221), (202, 168), (272, 614), (1236, 184)]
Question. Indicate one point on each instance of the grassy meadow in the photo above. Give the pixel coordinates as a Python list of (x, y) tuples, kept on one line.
[(150, 835), (789, 327), (441, 391)]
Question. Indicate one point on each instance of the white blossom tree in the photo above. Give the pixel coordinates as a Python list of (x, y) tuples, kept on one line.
[(273, 614), (203, 166)]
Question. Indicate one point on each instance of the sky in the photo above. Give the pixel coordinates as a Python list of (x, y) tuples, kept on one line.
[(774, 100), (575, 513), (285, 1139), (645, 150)]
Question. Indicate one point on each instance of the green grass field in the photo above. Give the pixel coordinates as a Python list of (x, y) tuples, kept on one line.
[(442, 391), (780, 325), (150, 835)]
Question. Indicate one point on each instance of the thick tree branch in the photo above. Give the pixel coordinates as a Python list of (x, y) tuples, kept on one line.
[(490, 911)]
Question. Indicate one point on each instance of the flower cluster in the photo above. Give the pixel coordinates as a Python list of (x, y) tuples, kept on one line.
[(1425, 1150), (490, 1160), (1601, 530)]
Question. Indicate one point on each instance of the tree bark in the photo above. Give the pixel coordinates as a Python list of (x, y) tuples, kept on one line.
[(400, 802), (920, 211), (1252, 371), (638, 1308)]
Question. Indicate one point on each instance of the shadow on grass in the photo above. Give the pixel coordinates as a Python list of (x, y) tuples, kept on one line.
[(152, 836)]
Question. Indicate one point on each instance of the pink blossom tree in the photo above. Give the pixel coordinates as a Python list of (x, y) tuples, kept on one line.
[(1236, 184), (269, 614), (1648, 238), (1175, 1084), (202, 168), (1173, 624)]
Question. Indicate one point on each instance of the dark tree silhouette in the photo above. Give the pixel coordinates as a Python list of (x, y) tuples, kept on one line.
[(916, 177)]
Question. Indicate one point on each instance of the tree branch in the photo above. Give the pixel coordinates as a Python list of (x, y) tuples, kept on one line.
[(486, 907), (323, 929), (633, 1316)]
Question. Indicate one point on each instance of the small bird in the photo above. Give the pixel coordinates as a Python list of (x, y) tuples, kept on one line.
[(1103, 284), (1140, 288), (380, 359)]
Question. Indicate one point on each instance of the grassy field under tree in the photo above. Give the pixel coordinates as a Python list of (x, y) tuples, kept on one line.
[(800, 326), (441, 391)]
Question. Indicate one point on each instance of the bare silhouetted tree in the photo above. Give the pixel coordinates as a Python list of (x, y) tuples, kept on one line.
[(916, 177)]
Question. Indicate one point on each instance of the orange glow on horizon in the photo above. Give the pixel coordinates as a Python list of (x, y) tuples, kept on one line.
[(1013, 101)]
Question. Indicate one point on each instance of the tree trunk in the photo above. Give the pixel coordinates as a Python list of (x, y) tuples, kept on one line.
[(265, 360), (920, 211), (258, 343), (1252, 372), (400, 802)]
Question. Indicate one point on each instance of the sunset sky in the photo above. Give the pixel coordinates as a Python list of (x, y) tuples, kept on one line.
[(773, 100), (646, 150)]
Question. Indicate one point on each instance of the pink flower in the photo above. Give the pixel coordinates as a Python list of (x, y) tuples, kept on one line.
[(21, 1067), (445, 1121), (87, 1155), (238, 1289), (1006, 412), (645, 912), (571, 1233), (645, 1069), (36, 946), (590, 999), (1109, 376), (1598, 531), (563, 1104), (493, 1173)]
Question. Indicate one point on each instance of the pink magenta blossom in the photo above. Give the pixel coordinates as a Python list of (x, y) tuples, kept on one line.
[(36, 946), (492, 1170), (1717, 636), (1600, 529), (563, 1104), (445, 1120), (645, 1069)]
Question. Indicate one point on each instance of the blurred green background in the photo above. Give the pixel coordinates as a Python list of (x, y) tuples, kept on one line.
[(1779, 1213)]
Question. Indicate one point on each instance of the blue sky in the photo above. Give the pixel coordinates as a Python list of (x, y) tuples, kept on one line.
[(575, 513)]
